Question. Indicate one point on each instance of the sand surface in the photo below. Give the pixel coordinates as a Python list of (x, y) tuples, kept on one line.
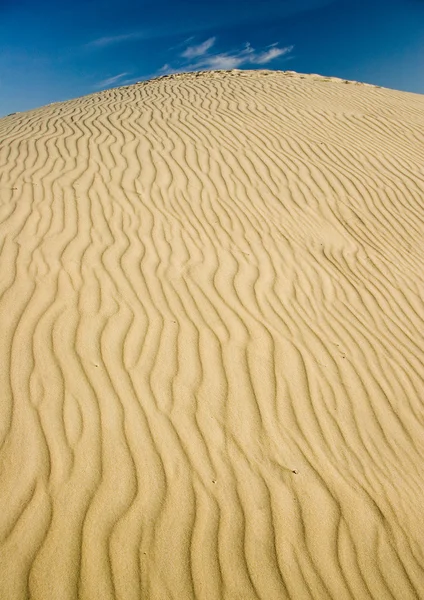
[(212, 342)]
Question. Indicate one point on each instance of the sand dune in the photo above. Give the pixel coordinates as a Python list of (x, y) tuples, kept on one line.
[(212, 342)]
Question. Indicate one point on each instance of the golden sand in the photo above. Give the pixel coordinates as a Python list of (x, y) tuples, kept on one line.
[(212, 342)]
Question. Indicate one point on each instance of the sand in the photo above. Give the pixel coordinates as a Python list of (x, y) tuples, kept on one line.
[(212, 342)]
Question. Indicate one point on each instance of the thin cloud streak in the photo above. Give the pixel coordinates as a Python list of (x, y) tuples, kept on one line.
[(200, 50), (112, 40), (111, 80), (268, 55)]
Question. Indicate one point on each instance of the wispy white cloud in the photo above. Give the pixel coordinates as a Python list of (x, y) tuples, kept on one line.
[(220, 61), (200, 50), (205, 60), (165, 69), (111, 80), (104, 42), (268, 55), (181, 44)]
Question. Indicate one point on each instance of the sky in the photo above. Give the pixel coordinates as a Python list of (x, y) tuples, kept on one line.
[(53, 50)]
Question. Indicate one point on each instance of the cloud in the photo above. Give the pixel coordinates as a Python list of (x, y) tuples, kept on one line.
[(274, 52), (111, 80), (200, 50), (204, 60), (221, 61), (103, 42), (165, 69)]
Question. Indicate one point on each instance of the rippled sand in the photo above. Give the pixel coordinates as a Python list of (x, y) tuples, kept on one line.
[(212, 342)]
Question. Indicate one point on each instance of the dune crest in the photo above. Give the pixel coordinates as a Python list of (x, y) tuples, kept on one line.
[(211, 349)]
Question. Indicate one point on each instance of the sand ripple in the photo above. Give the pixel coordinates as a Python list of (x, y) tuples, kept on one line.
[(211, 349)]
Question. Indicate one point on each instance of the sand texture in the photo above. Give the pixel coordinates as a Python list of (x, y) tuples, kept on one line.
[(212, 342)]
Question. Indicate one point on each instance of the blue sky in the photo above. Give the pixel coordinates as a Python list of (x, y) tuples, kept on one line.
[(52, 50)]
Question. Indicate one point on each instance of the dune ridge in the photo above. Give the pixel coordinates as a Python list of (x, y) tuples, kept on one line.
[(211, 349)]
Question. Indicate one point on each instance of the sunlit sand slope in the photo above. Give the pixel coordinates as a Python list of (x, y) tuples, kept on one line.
[(212, 342)]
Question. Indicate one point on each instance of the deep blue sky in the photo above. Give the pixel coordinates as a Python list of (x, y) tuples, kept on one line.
[(53, 50)]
